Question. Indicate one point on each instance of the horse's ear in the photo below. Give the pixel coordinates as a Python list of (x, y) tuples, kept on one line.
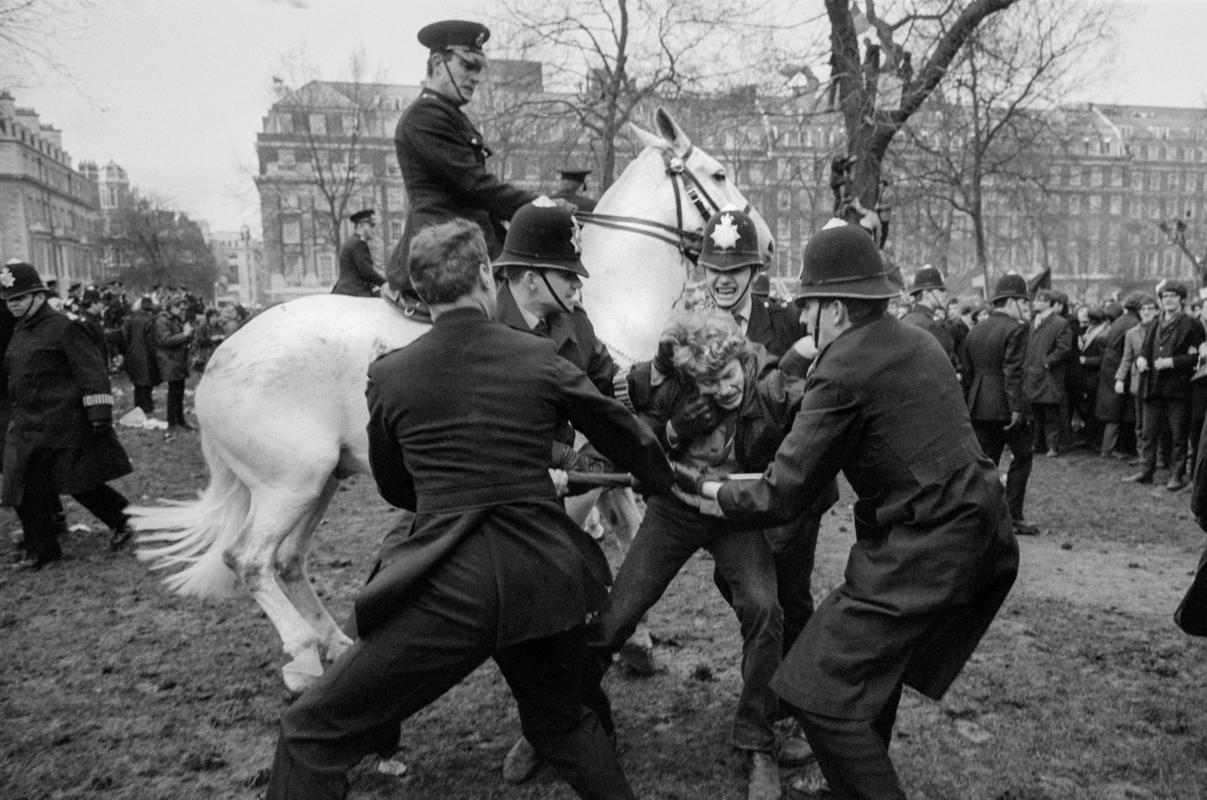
[(672, 133), (644, 137)]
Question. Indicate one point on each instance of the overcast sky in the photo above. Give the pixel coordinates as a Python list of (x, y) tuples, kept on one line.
[(174, 90)]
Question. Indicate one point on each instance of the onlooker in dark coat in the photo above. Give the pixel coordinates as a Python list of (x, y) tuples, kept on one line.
[(1168, 356), (60, 435), (1048, 351), (173, 335), (141, 362), (1112, 407), (1091, 341)]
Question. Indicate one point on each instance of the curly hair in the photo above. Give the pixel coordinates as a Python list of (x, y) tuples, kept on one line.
[(703, 341)]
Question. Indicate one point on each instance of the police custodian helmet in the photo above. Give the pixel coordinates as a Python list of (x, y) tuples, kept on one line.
[(1010, 285), (18, 279), (927, 277), (543, 235), (843, 261), (730, 242)]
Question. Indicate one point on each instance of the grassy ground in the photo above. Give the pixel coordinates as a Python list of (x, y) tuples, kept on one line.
[(1083, 688)]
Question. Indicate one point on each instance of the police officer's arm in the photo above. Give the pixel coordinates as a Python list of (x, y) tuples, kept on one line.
[(362, 261), (805, 464), (394, 480), (601, 369), (449, 158), (622, 438), (90, 373), (1013, 360)]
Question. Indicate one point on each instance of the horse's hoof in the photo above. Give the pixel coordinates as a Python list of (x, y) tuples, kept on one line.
[(336, 649), (301, 673)]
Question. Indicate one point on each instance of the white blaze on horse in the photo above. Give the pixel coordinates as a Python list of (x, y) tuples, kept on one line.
[(282, 409)]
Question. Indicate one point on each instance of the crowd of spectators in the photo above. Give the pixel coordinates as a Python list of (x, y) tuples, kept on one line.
[(161, 338)]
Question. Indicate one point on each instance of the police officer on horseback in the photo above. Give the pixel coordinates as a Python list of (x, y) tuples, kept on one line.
[(443, 156)]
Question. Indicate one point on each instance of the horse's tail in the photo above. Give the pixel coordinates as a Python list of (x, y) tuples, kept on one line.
[(191, 536)]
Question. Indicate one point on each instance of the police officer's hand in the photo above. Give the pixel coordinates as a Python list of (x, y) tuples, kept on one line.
[(1119, 388), (1016, 419), (101, 428), (694, 418), (687, 478)]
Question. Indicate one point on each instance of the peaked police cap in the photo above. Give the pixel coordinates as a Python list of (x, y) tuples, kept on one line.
[(1010, 285), (364, 215), (18, 279), (843, 261), (730, 242), (454, 34), (543, 235)]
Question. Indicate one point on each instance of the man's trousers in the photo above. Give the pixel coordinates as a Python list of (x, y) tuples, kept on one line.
[(445, 630)]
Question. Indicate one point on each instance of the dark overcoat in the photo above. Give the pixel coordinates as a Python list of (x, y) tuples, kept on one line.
[(1180, 340), (141, 363), (991, 367), (357, 276), (934, 555), (461, 424), (1044, 368), (443, 161), (58, 385), (922, 317), (172, 347), (1108, 406)]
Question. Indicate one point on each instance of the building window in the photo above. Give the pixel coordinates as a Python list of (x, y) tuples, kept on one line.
[(318, 124), (1116, 204), (291, 232), (326, 265)]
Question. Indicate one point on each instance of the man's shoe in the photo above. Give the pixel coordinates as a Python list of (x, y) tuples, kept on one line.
[(1052, 453), (1176, 483), (763, 781), (1140, 477), (181, 426), (637, 654), (34, 564), (119, 537), (520, 762), (1024, 528), (794, 749)]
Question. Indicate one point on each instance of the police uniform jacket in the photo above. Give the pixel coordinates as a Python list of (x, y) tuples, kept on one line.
[(922, 317), (96, 332), (1047, 357), (357, 277), (991, 367), (141, 364), (172, 347), (775, 327), (461, 425), (58, 385), (934, 555), (443, 161), (1180, 340), (1108, 406)]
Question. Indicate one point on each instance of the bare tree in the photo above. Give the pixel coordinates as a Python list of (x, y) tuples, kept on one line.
[(32, 34), (996, 110), (936, 30), (151, 243)]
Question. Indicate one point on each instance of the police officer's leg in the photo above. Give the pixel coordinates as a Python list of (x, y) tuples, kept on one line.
[(546, 677), (37, 511), (793, 576), (853, 757), (445, 630), (744, 558), (106, 504), (991, 436), (1022, 454)]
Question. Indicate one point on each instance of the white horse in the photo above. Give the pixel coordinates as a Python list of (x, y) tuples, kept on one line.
[(282, 406)]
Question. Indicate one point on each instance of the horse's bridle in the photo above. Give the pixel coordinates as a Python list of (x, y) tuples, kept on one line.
[(688, 242)]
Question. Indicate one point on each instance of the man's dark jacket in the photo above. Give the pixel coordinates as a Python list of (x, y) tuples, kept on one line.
[(443, 161), (1108, 406), (58, 385), (140, 363), (991, 367), (461, 424), (357, 277), (934, 555), (1179, 340), (1045, 366), (921, 316)]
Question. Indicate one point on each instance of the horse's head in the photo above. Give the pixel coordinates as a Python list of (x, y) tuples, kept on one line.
[(637, 244)]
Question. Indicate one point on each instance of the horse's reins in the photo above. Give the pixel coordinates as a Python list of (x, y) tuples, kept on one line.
[(687, 242)]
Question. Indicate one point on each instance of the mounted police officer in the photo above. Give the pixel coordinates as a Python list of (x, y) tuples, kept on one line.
[(934, 556), (357, 276), (443, 156), (60, 438), (572, 188)]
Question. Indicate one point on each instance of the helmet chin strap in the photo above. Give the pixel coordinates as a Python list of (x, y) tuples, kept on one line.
[(453, 81), (552, 293)]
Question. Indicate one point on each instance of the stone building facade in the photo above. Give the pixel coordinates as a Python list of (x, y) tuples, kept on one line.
[(49, 211)]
